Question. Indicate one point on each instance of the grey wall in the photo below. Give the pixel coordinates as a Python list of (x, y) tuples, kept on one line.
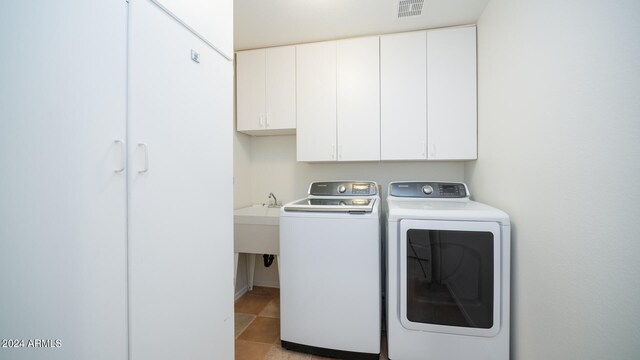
[(559, 135)]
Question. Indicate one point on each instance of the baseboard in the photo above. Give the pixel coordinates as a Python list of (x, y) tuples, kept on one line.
[(243, 290), (271, 284)]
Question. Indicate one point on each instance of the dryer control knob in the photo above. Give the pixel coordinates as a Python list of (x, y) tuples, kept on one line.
[(427, 189), (342, 189)]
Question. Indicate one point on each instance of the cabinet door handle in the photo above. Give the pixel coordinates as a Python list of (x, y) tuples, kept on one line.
[(122, 156), (424, 149), (333, 151), (261, 120), (145, 148), (340, 152), (266, 120)]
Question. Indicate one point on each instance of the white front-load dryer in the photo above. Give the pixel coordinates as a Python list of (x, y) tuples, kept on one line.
[(448, 273)]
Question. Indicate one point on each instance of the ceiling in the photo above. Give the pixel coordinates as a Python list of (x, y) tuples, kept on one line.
[(264, 23)]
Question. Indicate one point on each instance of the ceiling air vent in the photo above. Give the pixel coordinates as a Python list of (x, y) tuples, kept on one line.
[(407, 8)]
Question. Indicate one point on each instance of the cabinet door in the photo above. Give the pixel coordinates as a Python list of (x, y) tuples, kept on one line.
[(403, 87), (180, 206), (280, 88), (316, 101), (251, 90), (63, 258), (451, 94), (358, 100), (213, 20)]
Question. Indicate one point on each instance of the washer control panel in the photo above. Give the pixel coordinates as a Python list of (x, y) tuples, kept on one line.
[(428, 189), (343, 188)]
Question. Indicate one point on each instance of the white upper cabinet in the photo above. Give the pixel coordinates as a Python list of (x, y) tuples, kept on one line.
[(266, 91), (316, 101), (213, 20), (403, 84), (339, 100), (358, 99), (280, 108), (407, 96), (428, 95), (250, 90), (451, 94)]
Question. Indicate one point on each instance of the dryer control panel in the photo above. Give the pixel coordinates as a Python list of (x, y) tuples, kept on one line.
[(428, 189)]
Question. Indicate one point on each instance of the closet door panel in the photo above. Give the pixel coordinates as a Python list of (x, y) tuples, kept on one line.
[(180, 206), (62, 203)]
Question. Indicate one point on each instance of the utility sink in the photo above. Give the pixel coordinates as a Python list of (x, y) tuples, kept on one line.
[(257, 215), (256, 232)]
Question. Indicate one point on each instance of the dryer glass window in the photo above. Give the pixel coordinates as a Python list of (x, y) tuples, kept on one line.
[(450, 277)]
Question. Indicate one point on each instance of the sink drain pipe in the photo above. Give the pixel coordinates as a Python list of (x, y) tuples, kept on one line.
[(268, 259)]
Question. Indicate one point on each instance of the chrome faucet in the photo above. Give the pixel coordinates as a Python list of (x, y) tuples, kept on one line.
[(275, 201)]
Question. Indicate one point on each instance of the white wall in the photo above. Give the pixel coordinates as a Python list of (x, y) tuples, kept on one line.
[(241, 170), (273, 168), (559, 128)]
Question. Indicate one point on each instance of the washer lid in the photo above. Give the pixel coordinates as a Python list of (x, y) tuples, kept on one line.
[(350, 205)]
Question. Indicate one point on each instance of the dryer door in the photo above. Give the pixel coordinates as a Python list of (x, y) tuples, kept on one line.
[(450, 276)]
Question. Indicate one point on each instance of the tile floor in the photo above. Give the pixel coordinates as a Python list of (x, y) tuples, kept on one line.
[(257, 328)]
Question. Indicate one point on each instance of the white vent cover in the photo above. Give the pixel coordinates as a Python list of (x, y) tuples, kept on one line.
[(407, 8)]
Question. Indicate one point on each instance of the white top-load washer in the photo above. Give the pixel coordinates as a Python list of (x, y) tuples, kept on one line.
[(448, 274), (330, 271)]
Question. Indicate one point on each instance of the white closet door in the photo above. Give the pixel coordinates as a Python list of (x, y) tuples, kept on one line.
[(359, 99), (451, 94), (403, 87), (316, 101), (180, 204), (62, 205)]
